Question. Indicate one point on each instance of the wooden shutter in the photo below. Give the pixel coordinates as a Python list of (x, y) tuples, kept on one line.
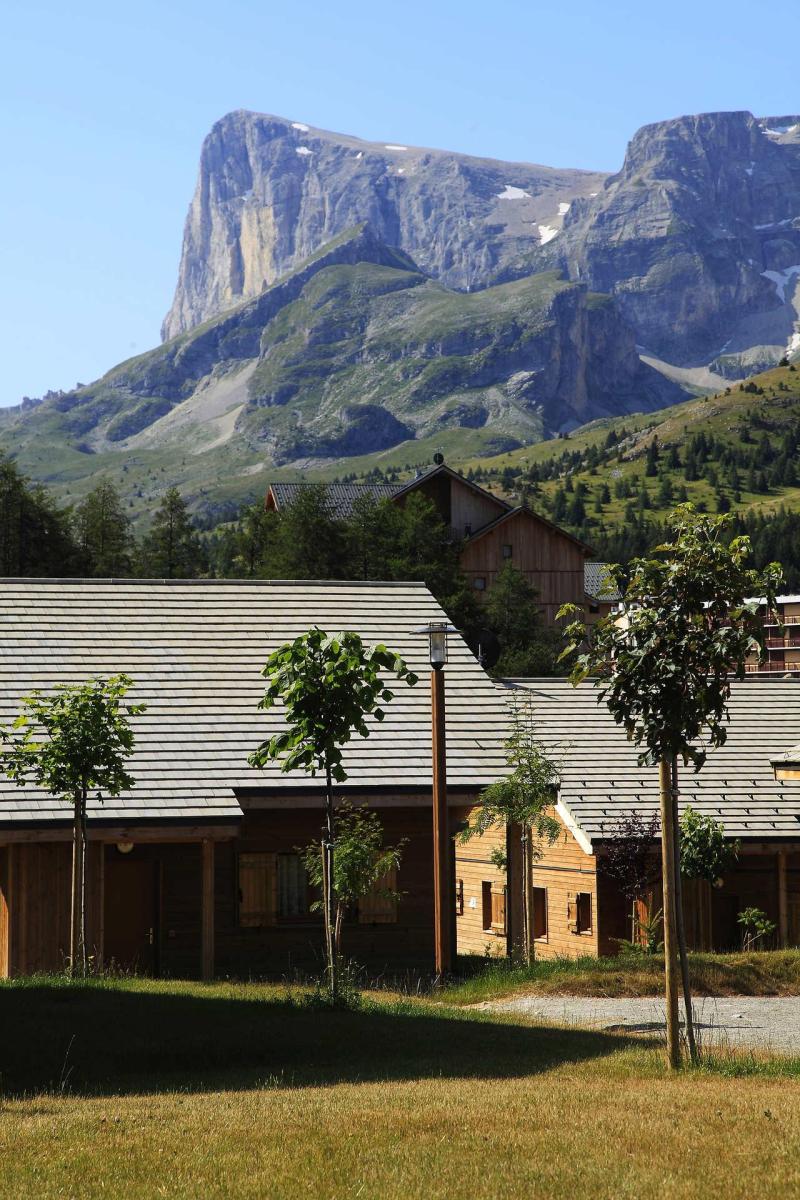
[(377, 909), (498, 908), (572, 913), (258, 889)]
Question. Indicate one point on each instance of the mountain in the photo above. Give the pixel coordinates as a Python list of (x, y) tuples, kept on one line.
[(344, 304), (698, 240), (353, 353), (270, 192)]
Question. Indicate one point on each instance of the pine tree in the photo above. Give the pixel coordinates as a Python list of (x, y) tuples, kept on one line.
[(172, 550), (103, 533), (36, 536)]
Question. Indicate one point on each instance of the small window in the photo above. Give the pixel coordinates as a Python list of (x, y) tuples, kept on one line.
[(540, 914), (584, 912), (292, 886), (508, 551), (494, 907), (594, 608), (479, 583), (459, 897)]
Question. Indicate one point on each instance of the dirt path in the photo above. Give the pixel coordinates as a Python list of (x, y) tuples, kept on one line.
[(766, 1022)]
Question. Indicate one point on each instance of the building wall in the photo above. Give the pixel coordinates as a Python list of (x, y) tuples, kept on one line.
[(564, 870), (550, 561)]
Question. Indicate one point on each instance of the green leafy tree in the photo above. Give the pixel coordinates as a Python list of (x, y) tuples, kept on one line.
[(755, 926), (328, 686), (665, 671), (71, 742), (311, 541), (519, 802), (705, 851), (103, 533), (361, 863), (512, 612), (35, 535)]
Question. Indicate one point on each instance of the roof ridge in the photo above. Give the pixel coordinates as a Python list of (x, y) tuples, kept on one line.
[(138, 582)]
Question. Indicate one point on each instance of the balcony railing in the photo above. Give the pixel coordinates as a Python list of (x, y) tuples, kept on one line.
[(783, 667), (774, 619)]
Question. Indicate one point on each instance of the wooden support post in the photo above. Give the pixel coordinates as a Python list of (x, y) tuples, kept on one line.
[(207, 911), (783, 902), (515, 887), (670, 930), (442, 898)]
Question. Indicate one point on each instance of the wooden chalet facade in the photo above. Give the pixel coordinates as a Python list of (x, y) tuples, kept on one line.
[(751, 784), (195, 871), (491, 531)]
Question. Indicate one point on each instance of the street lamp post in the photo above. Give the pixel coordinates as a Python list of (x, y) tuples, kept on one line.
[(438, 633)]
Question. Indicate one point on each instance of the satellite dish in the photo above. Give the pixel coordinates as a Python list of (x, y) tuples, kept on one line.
[(486, 648), (438, 458)]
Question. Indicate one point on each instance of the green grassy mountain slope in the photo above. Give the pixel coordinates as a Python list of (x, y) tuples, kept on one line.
[(738, 450), (354, 353)]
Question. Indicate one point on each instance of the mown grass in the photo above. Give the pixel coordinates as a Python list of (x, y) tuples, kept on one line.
[(143, 1089), (769, 973)]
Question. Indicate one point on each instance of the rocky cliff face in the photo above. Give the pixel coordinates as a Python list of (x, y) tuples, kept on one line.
[(698, 240), (270, 192)]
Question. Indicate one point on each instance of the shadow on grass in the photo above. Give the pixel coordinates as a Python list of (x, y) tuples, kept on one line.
[(103, 1040)]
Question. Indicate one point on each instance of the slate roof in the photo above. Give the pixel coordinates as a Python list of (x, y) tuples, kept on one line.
[(341, 496), (194, 650), (597, 584), (600, 777)]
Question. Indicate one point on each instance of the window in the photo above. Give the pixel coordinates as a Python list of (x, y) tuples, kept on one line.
[(584, 906), (594, 607), (508, 551), (257, 898), (479, 583), (579, 913), (292, 886), (378, 906), (540, 914), (459, 897), (494, 907)]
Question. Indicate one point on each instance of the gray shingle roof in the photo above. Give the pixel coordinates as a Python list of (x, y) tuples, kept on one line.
[(195, 649), (601, 780), (341, 496), (597, 584)]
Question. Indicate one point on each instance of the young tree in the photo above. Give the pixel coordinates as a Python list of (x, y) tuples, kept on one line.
[(664, 671), (705, 851), (361, 863), (328, 686), (103, 533), (520, 800), (172, 550), (74, 741)]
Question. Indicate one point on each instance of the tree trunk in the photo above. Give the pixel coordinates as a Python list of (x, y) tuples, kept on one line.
[(681, 926), (77, 935), (527, 943), (670, 936), (337, 937), (327, 872)]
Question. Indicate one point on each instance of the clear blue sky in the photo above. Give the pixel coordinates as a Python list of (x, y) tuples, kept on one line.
[(103, 107)]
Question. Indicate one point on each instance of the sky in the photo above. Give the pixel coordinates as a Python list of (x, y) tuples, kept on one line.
[(104, 106)]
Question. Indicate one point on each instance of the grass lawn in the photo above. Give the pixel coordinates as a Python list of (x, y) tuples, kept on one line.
[(140, 1089), (765, 973)]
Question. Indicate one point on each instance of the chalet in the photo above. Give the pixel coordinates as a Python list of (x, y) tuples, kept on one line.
[(492, 532), (195, 870), (781, 638), (751, 784), (602, 595)]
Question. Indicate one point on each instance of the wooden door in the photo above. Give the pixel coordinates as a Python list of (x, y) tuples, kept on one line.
[(131, 904)]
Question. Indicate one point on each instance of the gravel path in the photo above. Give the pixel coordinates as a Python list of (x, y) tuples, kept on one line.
[(770, 1022)]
